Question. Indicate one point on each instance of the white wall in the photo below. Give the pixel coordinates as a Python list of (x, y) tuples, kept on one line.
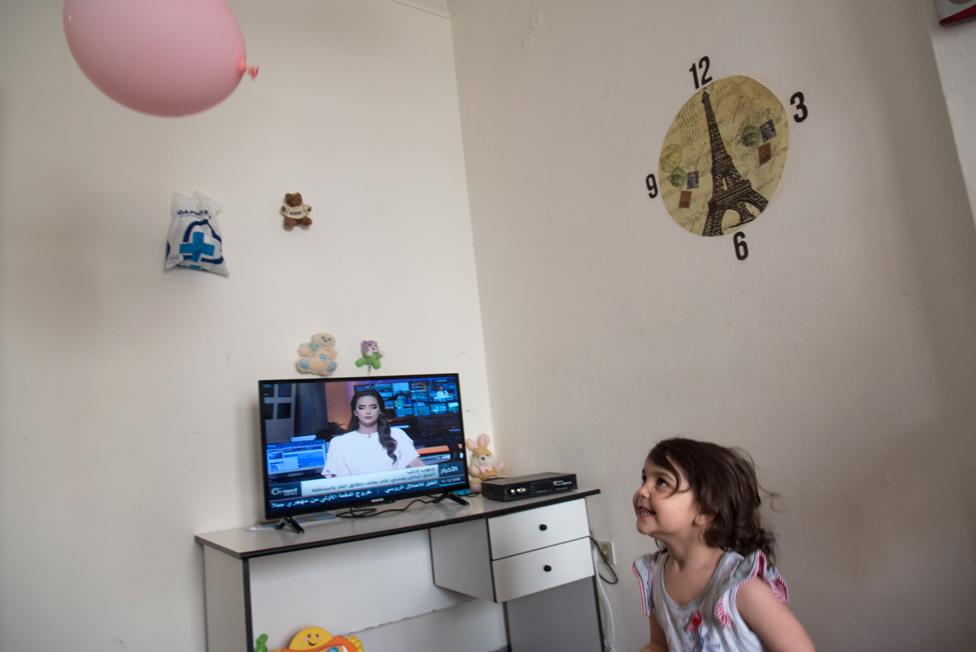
[(128, 400), (840, 353)]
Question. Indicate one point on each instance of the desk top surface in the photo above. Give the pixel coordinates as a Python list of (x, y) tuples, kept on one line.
[(244, 543)]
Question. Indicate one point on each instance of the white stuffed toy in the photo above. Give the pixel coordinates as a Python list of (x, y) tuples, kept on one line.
[(482, 463)]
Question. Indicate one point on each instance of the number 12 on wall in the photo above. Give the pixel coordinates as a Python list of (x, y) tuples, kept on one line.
[(702, 66)]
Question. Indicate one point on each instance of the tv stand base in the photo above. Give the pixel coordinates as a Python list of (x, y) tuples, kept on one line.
[(454, 497), (290, 522)]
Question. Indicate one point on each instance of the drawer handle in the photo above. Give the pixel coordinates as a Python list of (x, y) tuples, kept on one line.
[(543, 527), (547, 568)]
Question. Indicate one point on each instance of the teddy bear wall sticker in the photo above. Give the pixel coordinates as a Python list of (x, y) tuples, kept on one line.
[(295, 212), (318, 355)]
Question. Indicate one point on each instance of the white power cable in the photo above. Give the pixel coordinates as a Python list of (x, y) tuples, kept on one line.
[(609, 644)]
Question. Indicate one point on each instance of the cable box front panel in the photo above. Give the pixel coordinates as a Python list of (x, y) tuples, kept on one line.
[(527, 486)]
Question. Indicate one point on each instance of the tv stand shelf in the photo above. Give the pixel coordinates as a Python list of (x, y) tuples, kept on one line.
[(278, 581)]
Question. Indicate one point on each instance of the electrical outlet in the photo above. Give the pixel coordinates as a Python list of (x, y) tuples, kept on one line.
[(606, 548)]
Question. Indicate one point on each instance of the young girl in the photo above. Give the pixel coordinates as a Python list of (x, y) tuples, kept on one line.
[(712, 586)]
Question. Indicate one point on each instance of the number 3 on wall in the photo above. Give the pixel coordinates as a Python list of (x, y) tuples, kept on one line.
[(797, 101)]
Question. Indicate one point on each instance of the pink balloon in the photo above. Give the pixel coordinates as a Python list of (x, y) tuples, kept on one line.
[(164, 57)]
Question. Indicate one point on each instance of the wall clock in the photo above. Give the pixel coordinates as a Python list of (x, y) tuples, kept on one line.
[(724, 155)]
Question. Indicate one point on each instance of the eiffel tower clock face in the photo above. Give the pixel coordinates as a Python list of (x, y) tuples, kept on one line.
[(724, 155)]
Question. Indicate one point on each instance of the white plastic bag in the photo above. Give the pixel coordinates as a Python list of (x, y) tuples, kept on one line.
[(194, 238)]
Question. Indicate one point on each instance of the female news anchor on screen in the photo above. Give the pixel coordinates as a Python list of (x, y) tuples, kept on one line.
[(371, 445)]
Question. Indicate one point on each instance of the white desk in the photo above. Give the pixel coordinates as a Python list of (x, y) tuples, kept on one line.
[(531, 555)]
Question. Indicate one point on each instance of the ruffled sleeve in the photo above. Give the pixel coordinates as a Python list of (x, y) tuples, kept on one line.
[(755, 565), (644, 571)]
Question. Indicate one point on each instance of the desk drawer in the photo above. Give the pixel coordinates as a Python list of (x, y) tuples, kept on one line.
[(539, 570), (537, 528)]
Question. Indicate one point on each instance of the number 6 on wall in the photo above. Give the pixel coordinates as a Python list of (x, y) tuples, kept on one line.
[(741, 248)]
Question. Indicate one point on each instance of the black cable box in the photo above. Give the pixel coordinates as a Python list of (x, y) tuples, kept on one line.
[(526, 486)]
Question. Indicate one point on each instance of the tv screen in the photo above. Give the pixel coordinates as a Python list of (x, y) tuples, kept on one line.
[(332, 443)]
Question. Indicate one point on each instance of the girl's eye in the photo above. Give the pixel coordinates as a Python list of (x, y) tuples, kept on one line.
[(661, 483)]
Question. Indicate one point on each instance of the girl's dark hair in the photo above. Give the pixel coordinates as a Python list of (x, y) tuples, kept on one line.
[(723, 481), (383, 427)]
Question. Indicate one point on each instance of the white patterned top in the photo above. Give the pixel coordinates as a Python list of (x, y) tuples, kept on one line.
[(711, 622)]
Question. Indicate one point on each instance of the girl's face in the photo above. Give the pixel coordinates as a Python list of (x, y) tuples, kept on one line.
[(367, 411), (664, 503)]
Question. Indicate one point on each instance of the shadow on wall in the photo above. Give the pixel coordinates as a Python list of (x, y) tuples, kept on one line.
[(942, 231)]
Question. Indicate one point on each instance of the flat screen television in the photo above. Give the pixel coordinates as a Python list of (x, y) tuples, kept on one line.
[(316, 459)]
